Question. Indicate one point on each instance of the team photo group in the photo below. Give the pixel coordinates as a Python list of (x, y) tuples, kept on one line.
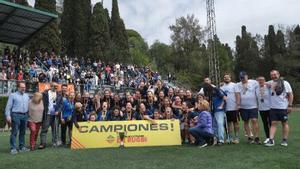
[(209, 117)]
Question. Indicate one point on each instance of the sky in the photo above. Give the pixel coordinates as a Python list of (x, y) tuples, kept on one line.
[(152, 18)]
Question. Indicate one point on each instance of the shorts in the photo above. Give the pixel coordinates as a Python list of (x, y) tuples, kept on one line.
[(248, 114), (232, 116), (279, 115)]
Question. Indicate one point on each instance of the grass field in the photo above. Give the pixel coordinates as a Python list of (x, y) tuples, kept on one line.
[(242, 156)]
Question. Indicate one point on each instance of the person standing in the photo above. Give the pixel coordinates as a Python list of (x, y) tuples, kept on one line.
[(16, 113), (67, 117), (232, 113), (247, 104), (263, 93), (281, 104), (36, 109), (217, 99), (51, 98)]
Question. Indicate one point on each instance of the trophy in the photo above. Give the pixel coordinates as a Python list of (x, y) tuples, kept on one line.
[(122, 136)]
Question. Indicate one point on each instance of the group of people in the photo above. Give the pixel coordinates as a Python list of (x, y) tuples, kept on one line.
[(84, 73), (210, 117)]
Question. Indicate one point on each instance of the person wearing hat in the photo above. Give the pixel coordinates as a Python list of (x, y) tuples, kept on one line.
[(246, 99), (281, 104)]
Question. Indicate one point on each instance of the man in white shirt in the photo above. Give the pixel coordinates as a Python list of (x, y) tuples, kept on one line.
[(247, 103), (232, 113), (281, 103), (263, 94)]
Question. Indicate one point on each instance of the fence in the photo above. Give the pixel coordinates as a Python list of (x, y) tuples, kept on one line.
[(9, 86)]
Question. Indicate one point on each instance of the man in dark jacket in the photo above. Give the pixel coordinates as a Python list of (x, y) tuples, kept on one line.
[(52, 107)]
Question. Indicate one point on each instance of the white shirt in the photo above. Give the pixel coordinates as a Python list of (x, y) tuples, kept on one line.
[(281, 101), (230, 89), (52, 102), (202, 90), (263, 95), (248, 94)]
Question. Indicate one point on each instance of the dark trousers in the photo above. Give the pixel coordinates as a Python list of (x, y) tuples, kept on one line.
[(50, 120), (19, 124), (265, 116), (201, 136), (67, 124)]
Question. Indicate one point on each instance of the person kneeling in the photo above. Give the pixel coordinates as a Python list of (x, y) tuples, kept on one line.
[(203, 131)]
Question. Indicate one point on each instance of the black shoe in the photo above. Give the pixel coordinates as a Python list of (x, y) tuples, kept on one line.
[(257, 141), (250, 140)]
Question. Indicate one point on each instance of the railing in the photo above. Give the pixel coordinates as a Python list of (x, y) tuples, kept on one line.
[(41, 64), (9, 86)]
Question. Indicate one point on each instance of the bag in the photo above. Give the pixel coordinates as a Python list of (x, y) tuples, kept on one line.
[(279, 88)]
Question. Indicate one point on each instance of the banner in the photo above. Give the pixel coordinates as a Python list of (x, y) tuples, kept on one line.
[(46, 86), (133, 133)]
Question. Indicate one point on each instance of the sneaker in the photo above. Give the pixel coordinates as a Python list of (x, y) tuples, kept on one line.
[(186, 141), (13, 152), (256, 141), (270, 143), (266, 141), (203, 145), (235, 141), (250, 140), (41, 147), (284, 143), (220, 143), (24, 149)]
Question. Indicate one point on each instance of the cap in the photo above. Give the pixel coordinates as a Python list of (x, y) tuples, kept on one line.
[(243, 74)]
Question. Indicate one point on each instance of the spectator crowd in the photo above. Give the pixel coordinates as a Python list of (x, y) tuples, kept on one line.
[(209, 117)]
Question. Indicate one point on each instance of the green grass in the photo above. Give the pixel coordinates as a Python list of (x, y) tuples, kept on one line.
[(242, 156)]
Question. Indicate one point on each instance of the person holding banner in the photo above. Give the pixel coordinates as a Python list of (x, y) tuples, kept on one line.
[(142, 113), (66, 117), (103, 114)]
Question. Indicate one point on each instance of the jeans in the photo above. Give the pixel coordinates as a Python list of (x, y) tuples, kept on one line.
[(220, 122), (50, 120), (19, 124), (34, 131), (201, 136)]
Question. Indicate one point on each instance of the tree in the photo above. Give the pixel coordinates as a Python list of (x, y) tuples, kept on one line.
[(247, 54), (120, 46), (188, 56), (138, 48), (75, 27), (161, 56), (100, 34), (187, 34), (291, 63), (47, 38)]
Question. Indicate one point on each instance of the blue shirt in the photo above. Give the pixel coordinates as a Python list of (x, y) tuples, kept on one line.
[(68, 109), (17, 102), (217, 100)]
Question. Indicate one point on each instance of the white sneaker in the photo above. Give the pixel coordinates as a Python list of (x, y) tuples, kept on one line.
[(270, 143), (284, 143), (202, 146), (266, 141)]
